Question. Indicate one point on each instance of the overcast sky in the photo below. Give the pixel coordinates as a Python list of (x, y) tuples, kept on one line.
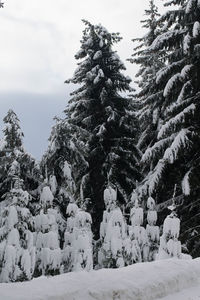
[(39, 39)]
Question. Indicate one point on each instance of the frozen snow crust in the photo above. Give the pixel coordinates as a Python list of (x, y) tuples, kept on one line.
[(142, 281)]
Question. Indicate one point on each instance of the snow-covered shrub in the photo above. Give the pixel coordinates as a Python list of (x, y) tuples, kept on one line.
[(170, 246), (78, 252), (68, 250), (113, 234), (152, 230), (48, 252), (17, 252), (137, 233)]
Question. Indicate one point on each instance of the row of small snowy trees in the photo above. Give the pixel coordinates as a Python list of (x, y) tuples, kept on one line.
[(30, 245)]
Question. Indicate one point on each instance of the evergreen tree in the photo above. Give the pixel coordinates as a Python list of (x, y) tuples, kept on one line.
[(102, 119), (175, 153), (78, 251), (48, 252), (137, 232), (65, 160), (17, 252), (113, 233), (14, 160), (170, 246), (149, 97), (152, 230)]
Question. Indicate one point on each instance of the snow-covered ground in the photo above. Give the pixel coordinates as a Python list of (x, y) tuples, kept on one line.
[(167, 279)]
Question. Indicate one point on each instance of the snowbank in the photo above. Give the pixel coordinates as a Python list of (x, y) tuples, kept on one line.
[(142, 281)]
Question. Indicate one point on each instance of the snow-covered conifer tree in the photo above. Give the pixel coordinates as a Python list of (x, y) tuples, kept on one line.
[(78, 250), (102, 119), (83, 250), (137, 232), (69, 238), (48, 252), (149, 97), (152, 230), (65, 160), (14, 160), (175, 153), (114, 251), (170, 246), (17, 252)]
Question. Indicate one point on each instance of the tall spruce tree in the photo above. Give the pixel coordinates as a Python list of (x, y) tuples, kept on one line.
[(103, 121), (149, 97), (174, 157), (14, 160)]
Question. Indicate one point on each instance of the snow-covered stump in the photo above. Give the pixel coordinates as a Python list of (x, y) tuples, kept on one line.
[(137, 233), (17, 252), (114, 249), (170, 246), (48, 252), (152, 230)]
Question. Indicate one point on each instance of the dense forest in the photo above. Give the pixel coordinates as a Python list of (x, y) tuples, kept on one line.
[(120, 180)]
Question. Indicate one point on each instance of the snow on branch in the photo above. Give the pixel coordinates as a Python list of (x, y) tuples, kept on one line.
[(171, 84), (166, 38), (181, 139), (186, 184), (180, 118), (152, 151)]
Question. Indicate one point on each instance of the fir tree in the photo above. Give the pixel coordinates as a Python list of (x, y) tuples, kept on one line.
[(149, 98), (175, 153), (65, 160), (14, 160), (17, 252), (103, 122)]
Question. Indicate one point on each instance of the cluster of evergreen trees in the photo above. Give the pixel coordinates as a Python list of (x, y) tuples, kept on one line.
[(147, 141)]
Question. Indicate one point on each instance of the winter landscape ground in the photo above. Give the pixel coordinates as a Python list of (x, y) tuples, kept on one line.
[(167, 280)]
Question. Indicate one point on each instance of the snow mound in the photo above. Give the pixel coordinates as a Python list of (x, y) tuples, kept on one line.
[(140, 281)]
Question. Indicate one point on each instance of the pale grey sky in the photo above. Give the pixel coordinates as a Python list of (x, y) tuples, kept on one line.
[(39, 39)]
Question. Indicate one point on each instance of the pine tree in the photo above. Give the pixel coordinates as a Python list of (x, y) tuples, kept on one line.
[(103, 122), (14, 160), (175, 153), (48, 252), (17, 252), (149, 97)]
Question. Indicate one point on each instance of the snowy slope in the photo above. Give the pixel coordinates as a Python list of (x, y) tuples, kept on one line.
[(142, 281)]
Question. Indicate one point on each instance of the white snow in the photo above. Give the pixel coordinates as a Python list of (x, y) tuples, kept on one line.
[(196, 29), (142, 281)]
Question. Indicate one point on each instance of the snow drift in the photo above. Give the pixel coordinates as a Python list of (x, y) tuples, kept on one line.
[(137, 282)]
